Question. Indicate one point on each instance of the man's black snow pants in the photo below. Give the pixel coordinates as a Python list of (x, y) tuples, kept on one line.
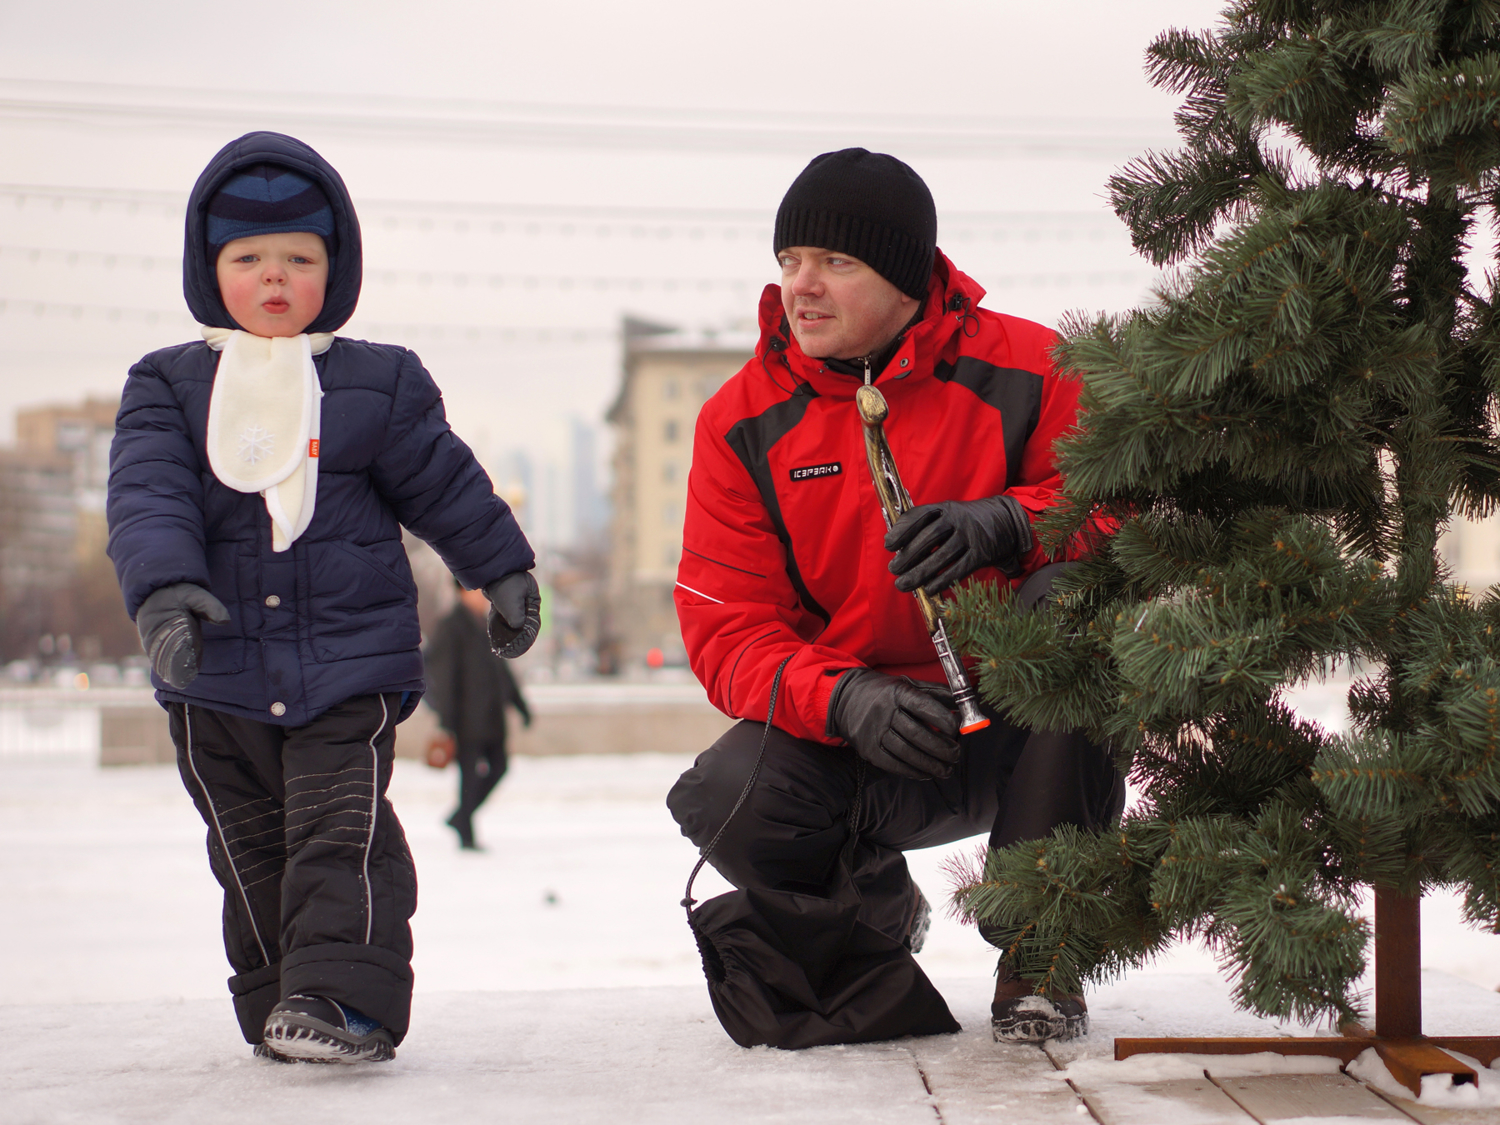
[(319, 885), (1012, 783)]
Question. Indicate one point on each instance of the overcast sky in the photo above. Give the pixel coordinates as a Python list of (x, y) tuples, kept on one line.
[(526, 174)]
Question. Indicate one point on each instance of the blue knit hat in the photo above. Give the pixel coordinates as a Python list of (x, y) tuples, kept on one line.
[(267, 199)]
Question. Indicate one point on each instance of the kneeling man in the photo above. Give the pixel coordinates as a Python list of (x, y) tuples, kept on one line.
[(786, 560)]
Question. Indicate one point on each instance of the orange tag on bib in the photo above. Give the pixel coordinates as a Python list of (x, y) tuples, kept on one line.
[(312, 447)]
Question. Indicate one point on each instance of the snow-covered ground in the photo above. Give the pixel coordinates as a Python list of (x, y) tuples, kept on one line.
[(556, 977)]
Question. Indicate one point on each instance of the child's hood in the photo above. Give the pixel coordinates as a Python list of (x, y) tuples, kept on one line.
[(200, 284)]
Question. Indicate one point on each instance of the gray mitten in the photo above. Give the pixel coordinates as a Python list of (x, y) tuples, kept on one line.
[(170, 633), (515, 613)]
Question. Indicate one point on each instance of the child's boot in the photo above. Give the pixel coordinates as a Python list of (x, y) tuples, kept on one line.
[(316, 1029)]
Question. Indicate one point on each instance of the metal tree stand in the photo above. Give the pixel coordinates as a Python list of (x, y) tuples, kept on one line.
[(1407, 1053)]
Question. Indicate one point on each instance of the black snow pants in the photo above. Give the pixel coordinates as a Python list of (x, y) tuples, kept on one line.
[(319, 886), (1011, 782)]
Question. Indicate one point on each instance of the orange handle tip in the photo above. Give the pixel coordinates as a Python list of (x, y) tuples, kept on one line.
[(972, 727)]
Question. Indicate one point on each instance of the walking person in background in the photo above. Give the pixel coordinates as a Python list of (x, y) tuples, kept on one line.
[(471, 690)]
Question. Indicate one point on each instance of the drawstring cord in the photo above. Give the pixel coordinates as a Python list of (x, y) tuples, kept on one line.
[(713, 963), (967, 321), (777, 345), (688, 902)]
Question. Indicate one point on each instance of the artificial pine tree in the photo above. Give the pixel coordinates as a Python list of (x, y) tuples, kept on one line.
[(1281, 437)]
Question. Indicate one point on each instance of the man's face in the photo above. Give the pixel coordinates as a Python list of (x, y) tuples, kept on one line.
[(839, 307), (273, 284)]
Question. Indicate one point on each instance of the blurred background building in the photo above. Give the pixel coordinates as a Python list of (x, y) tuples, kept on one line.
[(59, 604), (666, 376)]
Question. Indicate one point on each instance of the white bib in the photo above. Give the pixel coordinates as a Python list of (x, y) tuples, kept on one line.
[(264, 422)]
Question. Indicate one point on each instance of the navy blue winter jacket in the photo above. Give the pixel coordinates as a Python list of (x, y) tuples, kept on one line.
[(334, 616)]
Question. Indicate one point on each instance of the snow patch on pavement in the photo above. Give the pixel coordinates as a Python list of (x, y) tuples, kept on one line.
[(1142, 1069), (1437, 1089)]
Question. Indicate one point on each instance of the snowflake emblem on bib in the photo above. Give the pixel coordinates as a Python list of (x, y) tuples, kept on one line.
[(256, 443)]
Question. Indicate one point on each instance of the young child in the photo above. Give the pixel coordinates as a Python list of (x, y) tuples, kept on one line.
[(259, 481)]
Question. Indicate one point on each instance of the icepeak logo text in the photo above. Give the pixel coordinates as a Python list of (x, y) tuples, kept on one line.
[(809, 472)]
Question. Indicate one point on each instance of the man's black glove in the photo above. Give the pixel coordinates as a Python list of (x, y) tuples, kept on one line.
[(941, 544), (900, 725), (515, 613), (170, 633)]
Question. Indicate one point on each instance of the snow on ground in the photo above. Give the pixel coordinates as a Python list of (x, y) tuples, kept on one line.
[(1437, 1089), (111, 896), (556, 976)]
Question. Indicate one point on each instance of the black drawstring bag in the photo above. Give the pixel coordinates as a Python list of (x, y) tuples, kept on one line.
[(793, 970)]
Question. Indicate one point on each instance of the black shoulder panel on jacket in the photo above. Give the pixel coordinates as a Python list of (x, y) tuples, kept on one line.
[(751, 439), (1016, 394)]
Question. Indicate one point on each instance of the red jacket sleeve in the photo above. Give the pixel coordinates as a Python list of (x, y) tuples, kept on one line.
[(1040, 483), (740, 615)]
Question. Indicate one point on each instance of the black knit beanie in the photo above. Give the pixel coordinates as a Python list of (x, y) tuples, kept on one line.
[(868, 205)]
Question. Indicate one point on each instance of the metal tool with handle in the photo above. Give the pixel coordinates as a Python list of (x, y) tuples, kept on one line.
[(894, 501)]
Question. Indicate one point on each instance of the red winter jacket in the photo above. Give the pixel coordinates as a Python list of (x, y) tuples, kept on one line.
[(782, 552)]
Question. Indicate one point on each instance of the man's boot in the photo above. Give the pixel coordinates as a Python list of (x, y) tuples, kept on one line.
[(1022, 1015)]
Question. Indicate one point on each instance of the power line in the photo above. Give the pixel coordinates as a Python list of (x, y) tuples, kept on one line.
[(35, 255), (501, 124), (459, 279), (559, 334), (459, 106), (567, 219), (82, 311), (631, 137), (537, 334), (476, 333)]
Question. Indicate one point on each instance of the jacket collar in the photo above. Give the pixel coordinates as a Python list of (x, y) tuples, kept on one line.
[(952, 297)]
